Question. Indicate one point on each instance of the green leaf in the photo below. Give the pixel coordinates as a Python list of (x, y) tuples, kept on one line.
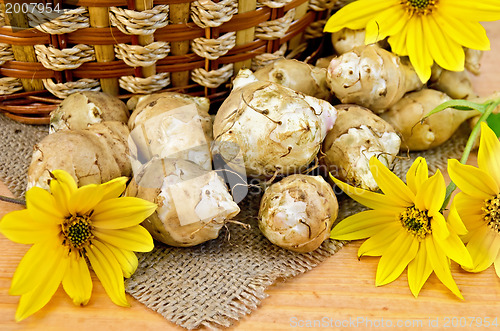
[(494, 123), (457, 104)]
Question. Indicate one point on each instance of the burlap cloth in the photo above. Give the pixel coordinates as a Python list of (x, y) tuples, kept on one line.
[(216, 283)]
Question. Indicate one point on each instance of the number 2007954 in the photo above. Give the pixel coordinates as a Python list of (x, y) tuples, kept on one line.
[(34, 8)]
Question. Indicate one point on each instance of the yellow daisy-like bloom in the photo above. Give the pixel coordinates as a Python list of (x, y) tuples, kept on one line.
[(69, 226), (478, 203), (406, 227), (425, 30)]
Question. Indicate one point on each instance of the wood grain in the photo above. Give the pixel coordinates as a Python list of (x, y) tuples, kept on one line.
[(339, 291)]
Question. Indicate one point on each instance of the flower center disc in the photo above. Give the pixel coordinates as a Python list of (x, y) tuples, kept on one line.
[(77, 231), (416, 222), (419, 6), (492, 213)]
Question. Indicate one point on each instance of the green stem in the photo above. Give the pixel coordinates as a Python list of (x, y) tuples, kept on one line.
[(13, 200), (490, 106)]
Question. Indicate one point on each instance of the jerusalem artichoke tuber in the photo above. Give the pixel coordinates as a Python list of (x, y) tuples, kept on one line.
[(82, 109), (297, 213), (277, 130), (371, 77), (416, 135), (357, 135)]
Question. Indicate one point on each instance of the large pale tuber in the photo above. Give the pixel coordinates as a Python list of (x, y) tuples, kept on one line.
[(406, 117), (371, 77), (297, 213), (358, 134), (171, 125), (274, 128), (82, 109), (298, 76), (91, 156), (193, 203)]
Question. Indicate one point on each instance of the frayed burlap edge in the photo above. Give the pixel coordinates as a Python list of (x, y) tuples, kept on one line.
[(214, 284)]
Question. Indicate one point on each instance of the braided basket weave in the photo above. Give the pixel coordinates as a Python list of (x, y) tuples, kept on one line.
[(125, 47)]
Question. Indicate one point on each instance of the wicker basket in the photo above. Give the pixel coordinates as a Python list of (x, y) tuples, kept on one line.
[(125, 47)]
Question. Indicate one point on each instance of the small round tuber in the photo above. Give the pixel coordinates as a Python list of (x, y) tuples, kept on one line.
[(297, 213)]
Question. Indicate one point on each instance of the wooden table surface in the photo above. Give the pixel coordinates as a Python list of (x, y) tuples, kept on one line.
[(340, 293)]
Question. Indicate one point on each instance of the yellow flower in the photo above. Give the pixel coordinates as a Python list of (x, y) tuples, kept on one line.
[(406, 227), (425, 30), (68, 227), (479, 202)]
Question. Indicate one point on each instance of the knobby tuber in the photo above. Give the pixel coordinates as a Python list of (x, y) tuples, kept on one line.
[(297, 213), (81, 109), (193, 203), (358, 134), (91, 156), (371, 77), (417, 133), (274, 129)]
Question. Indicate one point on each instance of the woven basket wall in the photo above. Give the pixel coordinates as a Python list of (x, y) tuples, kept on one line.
[(125, 47)]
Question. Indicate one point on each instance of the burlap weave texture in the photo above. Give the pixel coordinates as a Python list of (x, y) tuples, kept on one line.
[(218, 282)]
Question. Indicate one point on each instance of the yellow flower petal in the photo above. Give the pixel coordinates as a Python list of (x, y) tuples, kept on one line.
[(431, 194), (77, 282), (497, 265), (419, 270), (85, 199), (386, 23), (463, 31), (467, 10), (390, 184), (469, 209), (43, 207), (377, 244), (483, 247), (114, 188), (471, 180), (417, 174), (398, 42), (19, 227), (121, 212), (109, 272), (439, 227), (488, 158), (454, 248), (367, 198), (447, 53), (36, 265), (455, 221), (62, 187), (34, 300), (135, 238), (126, 258), (420, 56), (396, 257), (362, 225), (357, 14), (441, 266)]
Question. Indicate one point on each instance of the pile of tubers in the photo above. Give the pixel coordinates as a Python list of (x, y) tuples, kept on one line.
[(277, 125)]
